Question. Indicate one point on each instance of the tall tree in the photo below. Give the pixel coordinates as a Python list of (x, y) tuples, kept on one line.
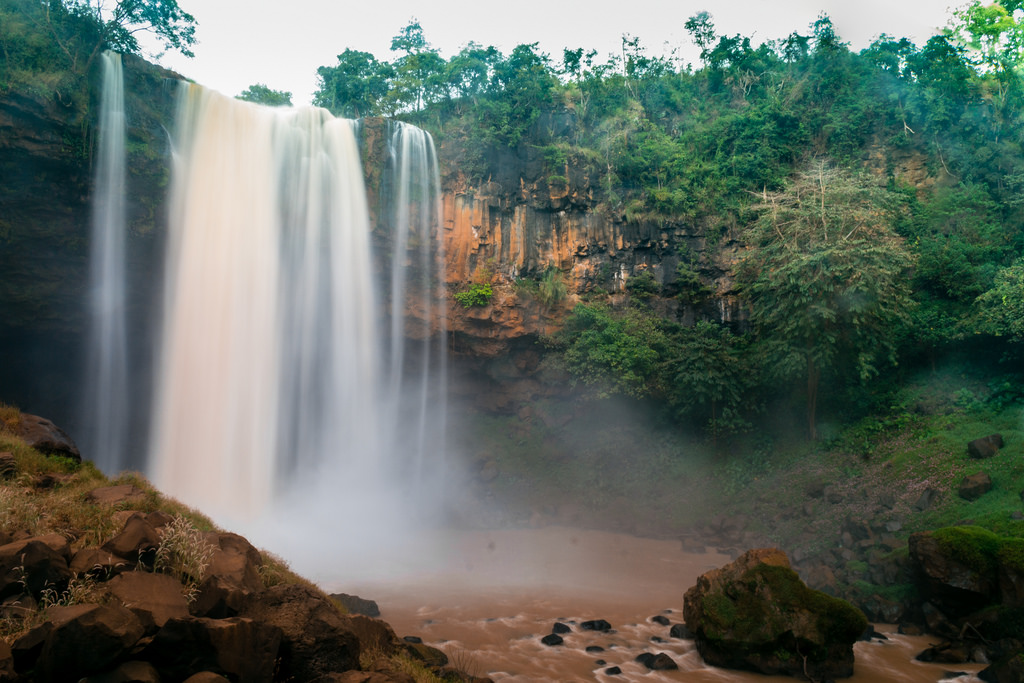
[(826, 278)]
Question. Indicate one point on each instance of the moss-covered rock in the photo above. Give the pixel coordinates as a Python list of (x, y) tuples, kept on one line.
[(757, 614)]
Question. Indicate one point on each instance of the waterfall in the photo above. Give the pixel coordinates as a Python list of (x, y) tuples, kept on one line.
[(283, 387), (106, 407)]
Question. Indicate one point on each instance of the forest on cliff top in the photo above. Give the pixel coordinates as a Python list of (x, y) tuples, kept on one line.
[(876, 194)]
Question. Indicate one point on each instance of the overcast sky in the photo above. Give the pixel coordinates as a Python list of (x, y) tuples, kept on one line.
[(281, 44)]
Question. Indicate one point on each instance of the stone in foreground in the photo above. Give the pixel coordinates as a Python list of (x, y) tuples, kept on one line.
[(756, 614)]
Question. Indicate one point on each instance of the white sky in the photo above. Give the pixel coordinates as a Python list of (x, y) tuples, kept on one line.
[(281, 43)]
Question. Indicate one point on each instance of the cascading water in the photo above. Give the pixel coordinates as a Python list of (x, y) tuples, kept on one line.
[(106, 408), (278, 394)]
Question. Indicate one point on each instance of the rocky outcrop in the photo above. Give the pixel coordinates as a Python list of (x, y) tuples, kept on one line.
[(756, 614), (46, 437)]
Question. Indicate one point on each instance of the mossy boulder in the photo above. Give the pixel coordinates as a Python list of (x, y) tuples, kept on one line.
[(972, 575), (756, 614)]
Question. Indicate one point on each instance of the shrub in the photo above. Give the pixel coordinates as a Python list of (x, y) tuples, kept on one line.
[(478, 294)]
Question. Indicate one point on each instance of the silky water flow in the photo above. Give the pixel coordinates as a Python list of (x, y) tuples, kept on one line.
[(290, 404)]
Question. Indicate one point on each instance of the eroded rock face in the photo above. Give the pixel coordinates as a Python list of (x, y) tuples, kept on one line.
[(756, 614)]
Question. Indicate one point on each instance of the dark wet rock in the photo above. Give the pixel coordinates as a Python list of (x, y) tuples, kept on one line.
[(975, 486), (1007, 670), (656, 662), (552, 639), (661, 619), (756, 614), (357, 605), (314, 637), (560, 627), (680, 631), (32, 564), (596, 625), (86, 639), (236, 648), (594, 648), (949, 652), (46, 437), (613, 671), (985, 447), (879, 609)]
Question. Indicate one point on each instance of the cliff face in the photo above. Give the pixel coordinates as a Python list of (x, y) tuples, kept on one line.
[(503, 236)]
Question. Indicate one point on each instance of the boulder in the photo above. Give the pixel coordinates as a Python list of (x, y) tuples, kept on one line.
[(656, 662), (97, 562), (240, 649), (27, 648), (985, 447), (46, 437), (356, 605), (137, 541), (86, 639), (596, 625), (559, 627), (154, 598), (552, 639), (428, 656), (975, 486), (232, 575), (315, 638), (756, 614), (33, 565), (1007, 670), (950, 573)]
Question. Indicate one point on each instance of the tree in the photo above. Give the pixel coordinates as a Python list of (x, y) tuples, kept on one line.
[(120, 26), (1002, 307), (355, 87), (826, 278), (710, 377), (419, 74), (261, 94)]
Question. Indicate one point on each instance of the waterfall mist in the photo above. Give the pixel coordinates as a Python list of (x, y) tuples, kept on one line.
[(290, 404), (106, 410)]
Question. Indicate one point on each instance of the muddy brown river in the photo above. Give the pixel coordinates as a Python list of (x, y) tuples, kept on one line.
[(499, 592)]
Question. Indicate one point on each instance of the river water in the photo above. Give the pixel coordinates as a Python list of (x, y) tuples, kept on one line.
[(499, 592)]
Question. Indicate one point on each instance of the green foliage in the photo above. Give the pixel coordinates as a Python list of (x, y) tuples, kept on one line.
[(826, 279), (478, 294), (643, 285), (613, 352), (261, 94), (552, 289), (1002, 307), (184, 553)]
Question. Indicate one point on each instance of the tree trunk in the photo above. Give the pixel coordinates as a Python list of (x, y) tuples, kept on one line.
[(813, 378)]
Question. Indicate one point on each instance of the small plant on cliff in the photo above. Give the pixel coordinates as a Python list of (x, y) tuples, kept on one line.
[(552, 289), (184, 554), (478, 294)]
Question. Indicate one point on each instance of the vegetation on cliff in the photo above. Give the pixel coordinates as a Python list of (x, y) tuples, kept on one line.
[(917, 151)]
